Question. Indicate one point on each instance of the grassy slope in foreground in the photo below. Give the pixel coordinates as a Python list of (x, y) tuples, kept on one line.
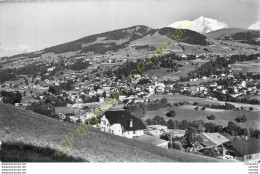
[(28, 127)]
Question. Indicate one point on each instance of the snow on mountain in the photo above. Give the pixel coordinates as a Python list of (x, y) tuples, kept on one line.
[(255, 26), (201, 25)]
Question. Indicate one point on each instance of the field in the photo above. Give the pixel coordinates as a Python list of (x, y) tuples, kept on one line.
[(187, 112), (182, 98), (94, 146), (244, 67)]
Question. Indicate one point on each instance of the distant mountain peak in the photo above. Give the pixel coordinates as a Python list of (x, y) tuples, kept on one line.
[(201, 25), (255, 26)]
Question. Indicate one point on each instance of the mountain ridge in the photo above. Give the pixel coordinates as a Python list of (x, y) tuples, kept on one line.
[(255, 26), (201, 25)]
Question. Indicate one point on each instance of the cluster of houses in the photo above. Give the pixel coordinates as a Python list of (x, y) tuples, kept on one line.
[(121, 123)]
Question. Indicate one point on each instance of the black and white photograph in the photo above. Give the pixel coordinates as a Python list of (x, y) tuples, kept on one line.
[(112, 86)]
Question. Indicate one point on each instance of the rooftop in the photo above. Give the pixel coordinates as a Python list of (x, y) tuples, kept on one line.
[(150, 140), (122, 117), (216, 138), (247, 147)]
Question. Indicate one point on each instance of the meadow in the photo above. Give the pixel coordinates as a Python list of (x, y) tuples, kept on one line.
[(249, 66), (187, 112)]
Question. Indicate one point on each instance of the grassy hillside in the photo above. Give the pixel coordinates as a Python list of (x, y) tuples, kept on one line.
[(25, 126), (236, 34), (225, 32)]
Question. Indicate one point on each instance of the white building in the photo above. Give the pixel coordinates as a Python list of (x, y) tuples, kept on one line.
[(243, 84), (122, 123)]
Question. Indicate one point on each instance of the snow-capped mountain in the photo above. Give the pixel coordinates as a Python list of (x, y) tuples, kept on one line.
[(255, 26), (201, 25)]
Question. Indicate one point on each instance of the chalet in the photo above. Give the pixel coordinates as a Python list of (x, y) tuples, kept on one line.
[(212, 140), (122, 123), (244, 149)]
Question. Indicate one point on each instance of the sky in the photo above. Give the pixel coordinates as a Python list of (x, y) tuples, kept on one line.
[(32, 26)]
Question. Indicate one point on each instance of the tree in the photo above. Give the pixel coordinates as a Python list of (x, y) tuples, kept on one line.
[(170, 124), (241, 119), (192, 137), (79, 121), (232, 128), (171, 113), (43, 108), (67, 119), (184, 125), (229, 106), (86, 108), (11, 97), (210, 152), (156, 120), (177, 145), (210, 127), (55, 90), (104, 94), (246, 132), (211, 117), (199, 125), (26, 82), (196, 108), (164, 101)]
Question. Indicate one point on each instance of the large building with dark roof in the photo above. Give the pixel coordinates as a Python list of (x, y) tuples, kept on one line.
[(122, 123), (244, 149)]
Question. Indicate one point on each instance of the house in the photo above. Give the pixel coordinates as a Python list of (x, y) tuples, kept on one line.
[(177, 132), (151, 89), (153, 140), (157, 127), (100, 91), (122, 123), (216, 138), (243, 84), (247, 149), (212, 140)]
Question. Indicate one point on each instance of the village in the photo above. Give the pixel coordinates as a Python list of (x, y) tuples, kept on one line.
[(72, 100)]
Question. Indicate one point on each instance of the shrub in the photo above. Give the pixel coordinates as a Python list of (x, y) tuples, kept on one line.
[(210, 152), (11, 97), (171, 114), (43, 109), (241, 119), (203, 108), (177, 145), (211, 117)]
